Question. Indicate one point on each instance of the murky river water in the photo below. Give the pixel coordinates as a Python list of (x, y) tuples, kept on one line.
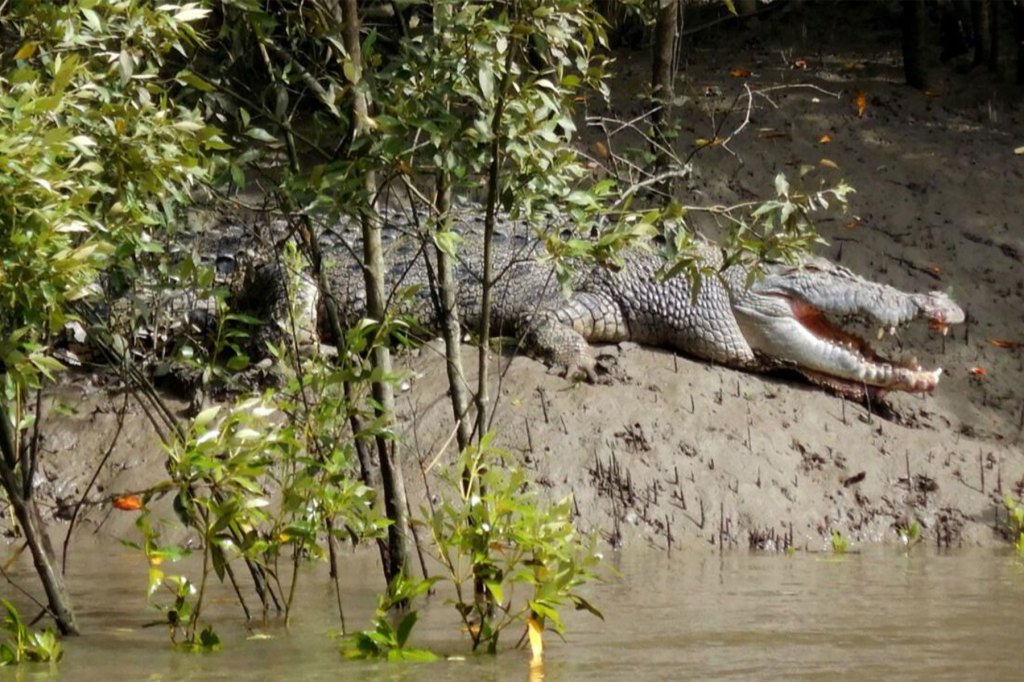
[(875, 615)]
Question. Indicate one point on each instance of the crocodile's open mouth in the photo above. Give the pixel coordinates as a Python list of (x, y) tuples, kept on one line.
[(856, 364)]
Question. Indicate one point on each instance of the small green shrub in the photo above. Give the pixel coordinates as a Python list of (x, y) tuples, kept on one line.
[(839, 544), (509, 555), (387, 640), (22, 646), (1015, 523), (910, 535)]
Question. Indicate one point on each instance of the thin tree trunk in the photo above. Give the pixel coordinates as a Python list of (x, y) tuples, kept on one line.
[(993, 40), (395, 504), (913, 60), (34, 528), (981, 20), (490, 218), (1018, 28), (666, 37), (451, 329)]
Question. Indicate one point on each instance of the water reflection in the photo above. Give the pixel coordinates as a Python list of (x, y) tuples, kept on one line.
[(879, 614)]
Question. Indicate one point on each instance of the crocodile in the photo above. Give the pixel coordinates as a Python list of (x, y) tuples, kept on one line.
[(789, 316)]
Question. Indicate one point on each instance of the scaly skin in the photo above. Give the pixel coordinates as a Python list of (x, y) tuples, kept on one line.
[(787, 318)]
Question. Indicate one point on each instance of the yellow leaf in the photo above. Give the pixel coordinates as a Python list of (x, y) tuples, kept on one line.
[(536, 633), (27, 50), (829, 163), (1019, 151)]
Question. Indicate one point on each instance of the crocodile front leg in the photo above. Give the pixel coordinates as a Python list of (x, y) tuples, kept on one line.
[(561, 336)]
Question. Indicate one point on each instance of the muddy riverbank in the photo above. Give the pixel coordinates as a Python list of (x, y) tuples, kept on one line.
[(683, 453)]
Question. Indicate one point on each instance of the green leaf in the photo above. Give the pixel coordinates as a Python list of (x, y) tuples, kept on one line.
[(348, 68), (260, 134), (190, 12), (197, 82), (494, 587), (583, 604), (485, 78), (219, 560), (205, 417), (92, 19), (781, 185), (237, 363), (412, 655), (209, 640), (448, 241), (405, 627)]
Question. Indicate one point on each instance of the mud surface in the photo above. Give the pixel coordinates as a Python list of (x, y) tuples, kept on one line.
[(677, 451)]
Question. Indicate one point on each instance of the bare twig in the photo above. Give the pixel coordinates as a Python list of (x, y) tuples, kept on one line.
[(92, 481)]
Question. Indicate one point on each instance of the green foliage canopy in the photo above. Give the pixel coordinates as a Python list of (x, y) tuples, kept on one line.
[(94, 156)]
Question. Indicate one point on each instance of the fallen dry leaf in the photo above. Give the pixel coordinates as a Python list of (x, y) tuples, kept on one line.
[(1019, 151), (600, 150), (800, 64), (1003, 343), (977, 371), (935, 270), (825, 139), (128, 503), (852, 223), (739, 72), (770, 133), (829, 163), (932, 93), (862, 103)]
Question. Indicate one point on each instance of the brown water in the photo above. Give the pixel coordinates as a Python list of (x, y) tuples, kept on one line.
[(875, 615)]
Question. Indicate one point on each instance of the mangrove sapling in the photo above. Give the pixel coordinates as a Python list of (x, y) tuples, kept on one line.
[(387, 640), (1015, 522), (19, 645), (214, 347), (267, 479), (839, 544), (490, 525), (392, 481), (910, 535), (79, 193)]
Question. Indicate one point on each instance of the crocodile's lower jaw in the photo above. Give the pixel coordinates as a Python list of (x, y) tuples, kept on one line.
[(844, 349), (920, 381)]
